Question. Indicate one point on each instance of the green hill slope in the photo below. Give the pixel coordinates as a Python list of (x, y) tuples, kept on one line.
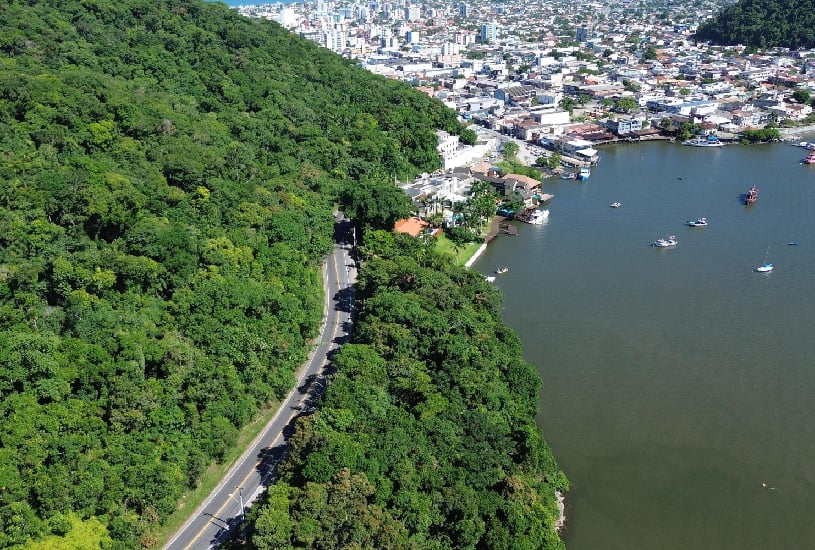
[(167, 173), (426, 437), (763, 24)]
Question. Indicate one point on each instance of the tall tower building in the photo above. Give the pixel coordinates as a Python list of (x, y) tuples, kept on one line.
[(489, 33)]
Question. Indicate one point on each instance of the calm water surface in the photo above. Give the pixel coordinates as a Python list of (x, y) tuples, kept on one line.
[(676, 381)]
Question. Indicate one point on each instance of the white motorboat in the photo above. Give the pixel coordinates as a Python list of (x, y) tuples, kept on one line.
[(534, 217), (665, 242), (767, 267), (709, 141), (701, 222), (615, 204)]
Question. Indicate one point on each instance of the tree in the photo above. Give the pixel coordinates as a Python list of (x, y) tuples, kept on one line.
[(468, 137), (802, 95), (626, 104), (375, 204), (568, 104), (510, 149)]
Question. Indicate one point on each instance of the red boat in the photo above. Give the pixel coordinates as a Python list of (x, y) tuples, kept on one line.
[(810, 159), (752, 196)]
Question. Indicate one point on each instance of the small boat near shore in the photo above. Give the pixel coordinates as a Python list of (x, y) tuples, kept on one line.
[(584, 174), (810, 158), (709, 141), (752, 196), (700, 222), (665, 242), (533, 216), (501, 270)]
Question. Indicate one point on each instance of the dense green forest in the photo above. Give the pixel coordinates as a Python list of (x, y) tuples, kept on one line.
[(425, 437), (763, 24), (168, 171)]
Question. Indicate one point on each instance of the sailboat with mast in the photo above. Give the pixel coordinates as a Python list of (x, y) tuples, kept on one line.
[(767, 266)]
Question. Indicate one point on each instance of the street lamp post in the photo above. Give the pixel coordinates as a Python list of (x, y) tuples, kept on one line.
[(240, 495)]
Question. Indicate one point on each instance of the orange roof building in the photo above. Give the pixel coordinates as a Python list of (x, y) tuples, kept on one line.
[(412, 226)]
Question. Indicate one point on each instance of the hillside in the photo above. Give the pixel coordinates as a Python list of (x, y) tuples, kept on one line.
[(168, 171), (763, 24), (426, 437)]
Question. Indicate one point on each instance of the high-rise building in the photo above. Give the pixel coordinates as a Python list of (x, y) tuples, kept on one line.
[(489, 33), (462, 9), (413, 13)]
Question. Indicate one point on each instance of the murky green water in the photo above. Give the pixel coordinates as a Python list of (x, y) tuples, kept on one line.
[(677, 381)]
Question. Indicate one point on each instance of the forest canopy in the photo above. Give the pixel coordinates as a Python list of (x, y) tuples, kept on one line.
[(762, 24), (168, 171), (426, 436)]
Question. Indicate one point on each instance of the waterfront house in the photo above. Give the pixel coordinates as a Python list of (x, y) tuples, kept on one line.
[(579, 149), (624, 126), (521, 189)]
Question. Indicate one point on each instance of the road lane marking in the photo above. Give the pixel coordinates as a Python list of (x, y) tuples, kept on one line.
[(284, 404)]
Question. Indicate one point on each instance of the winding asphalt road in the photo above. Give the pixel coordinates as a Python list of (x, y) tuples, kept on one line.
[(221, 514)]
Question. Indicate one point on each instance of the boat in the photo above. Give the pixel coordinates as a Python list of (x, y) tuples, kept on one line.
[(534, 217), (665, 242), (700, 222), (584, 173), (752, 196), (767, 266), (490, 279), (568, 176), (501, 270), (615, 204), (709, 141), (810, 158)]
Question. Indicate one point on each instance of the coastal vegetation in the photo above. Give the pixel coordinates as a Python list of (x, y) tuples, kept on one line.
[(169, 171), (762, 24), (425, 437), (762, 135)]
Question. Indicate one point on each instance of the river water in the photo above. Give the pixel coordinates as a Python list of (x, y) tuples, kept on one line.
[(679, 384)]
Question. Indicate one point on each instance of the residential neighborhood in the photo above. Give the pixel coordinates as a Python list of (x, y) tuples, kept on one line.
[(559, 77)]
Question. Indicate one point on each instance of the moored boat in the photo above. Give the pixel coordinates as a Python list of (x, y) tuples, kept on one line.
[(810, 158), (709, 141), (533, 216), (767, 266), (665, 242), (584, 173), (700, 222), (752, 196)]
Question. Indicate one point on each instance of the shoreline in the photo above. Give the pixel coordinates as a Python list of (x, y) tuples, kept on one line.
[(468, 264), (560, 522)]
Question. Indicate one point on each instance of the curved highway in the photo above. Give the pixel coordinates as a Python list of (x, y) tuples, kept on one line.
[(222, 513)]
